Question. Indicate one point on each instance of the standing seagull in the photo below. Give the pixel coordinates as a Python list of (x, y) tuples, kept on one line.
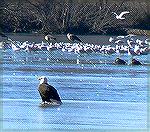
[(48, 93), (120, 16), (73, 37)]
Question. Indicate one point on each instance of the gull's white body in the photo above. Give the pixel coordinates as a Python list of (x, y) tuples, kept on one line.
[(121, 15)]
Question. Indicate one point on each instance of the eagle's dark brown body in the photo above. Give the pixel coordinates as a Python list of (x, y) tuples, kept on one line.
[(73, 37), (48, 92)]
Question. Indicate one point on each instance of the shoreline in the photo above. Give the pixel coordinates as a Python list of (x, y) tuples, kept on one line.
[(140, 32)]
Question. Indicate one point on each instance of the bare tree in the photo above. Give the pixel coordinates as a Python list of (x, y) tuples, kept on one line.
[(82, 17)]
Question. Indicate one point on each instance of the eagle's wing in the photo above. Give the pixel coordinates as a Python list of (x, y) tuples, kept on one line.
[(76, 38), (48, 92), (53, 94)]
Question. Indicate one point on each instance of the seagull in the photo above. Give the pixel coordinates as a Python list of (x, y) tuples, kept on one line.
[(111, 39), (15, 48), (120, 16), (73, 37)]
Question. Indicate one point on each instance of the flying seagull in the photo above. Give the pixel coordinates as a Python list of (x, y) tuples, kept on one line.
[(73, 37), (121, 15), (47, 92)]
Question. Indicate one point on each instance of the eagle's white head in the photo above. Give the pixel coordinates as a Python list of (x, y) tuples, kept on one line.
[(46, 38), (42, 79), (68, 34)]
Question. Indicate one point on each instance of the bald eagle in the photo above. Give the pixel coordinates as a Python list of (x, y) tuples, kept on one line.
[(135, 62), (73, 37), (47, 92), (119, 61), (49, 37)]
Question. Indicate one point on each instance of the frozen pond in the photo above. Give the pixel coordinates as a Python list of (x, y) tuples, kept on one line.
[(96, 94)]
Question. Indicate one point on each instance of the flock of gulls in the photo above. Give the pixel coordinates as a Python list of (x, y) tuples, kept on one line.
[(119, 45)]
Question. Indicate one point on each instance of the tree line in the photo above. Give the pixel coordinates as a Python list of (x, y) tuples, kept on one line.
[(76, 16)]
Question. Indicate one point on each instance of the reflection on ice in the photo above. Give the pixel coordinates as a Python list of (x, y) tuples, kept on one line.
[(73, 114)]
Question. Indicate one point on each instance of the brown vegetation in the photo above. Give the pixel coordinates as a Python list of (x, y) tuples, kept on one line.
[(78, 16), (139, 32)]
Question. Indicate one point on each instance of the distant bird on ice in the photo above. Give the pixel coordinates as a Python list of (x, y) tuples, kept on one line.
[(135, 62), (121, 15), (119, 61), (50, 38), (73, 37), (47, 92)]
